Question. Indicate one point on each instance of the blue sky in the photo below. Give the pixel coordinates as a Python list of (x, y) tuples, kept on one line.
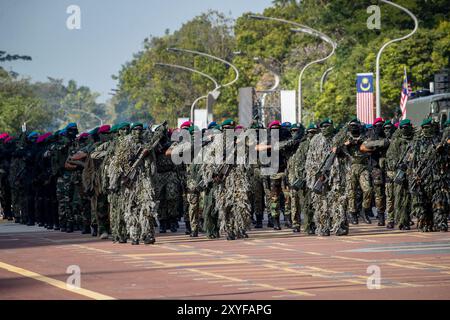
[(111, 31)]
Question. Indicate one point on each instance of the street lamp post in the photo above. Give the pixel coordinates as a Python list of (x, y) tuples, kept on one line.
[(378, 80), (216, 84), (274, 88), (324, 76), (308, 30), (211, 57)]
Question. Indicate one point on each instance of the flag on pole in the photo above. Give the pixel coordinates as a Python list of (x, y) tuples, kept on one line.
[(365, 97), (406, 93)]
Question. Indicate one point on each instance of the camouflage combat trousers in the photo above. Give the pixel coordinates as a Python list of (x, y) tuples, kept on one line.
[(64, 194), (379, 190), (100, 212), (294, 196), (193, 199), (429, 208), (306, 209), (322, 212), (275, 195), (210, 214), (257, 195), (5, 196), (166, 195), (18, 203), (402, 204), (117, 217), (359, 178), (81, 206), (339, 207), (390, 196)]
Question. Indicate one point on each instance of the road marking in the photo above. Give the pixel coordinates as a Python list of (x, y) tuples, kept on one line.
[(263, 285), (53, 282), (91, 249), (161, 254)]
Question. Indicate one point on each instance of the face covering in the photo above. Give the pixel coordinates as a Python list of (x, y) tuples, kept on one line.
[(378, 130), (428, 131), (407, 131), (355, 130), (328, 131)]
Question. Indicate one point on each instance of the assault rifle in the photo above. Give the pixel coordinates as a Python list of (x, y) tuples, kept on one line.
[(142, 153), (323, 175), (424, 170), (401, 167)]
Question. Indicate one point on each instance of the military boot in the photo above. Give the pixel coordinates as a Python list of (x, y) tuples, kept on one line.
[(103, 233), (94, 229), (296, 230), (287, 221), (390, 225), (149, 240), (325, 233), (188, 227), (342, 231), (276, 223), (135, 242), (86, 229), (311, 229), (366, 217), (194, 234), (259, 221), (270, 221), (69, 228), (355, 219), (162, 226), (231, 236), (122, 239), (381, 220), (173, 226)]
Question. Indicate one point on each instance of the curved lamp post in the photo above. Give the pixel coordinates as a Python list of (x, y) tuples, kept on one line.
[(324, 76), (216, 84), (378, 80), (274, 88), (304, 29), (211, 57)]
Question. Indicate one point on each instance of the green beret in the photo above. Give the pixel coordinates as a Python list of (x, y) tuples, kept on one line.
[(327, 120), (137, 124), (355, 120), (405, 122), (192, 129), (228, 122), (387, 123), (447, 123), (427, 122), (312, 126), (123, 125), (94, 131)]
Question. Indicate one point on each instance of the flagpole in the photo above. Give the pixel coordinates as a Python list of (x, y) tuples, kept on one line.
[(378, 80)]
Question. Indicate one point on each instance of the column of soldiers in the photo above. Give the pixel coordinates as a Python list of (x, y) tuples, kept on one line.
[(121, 182)]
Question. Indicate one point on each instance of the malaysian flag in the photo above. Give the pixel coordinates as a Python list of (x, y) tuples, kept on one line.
[(365, 97), (406, 93)]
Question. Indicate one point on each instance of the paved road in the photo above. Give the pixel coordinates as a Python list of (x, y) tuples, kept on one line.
[(268, 265)]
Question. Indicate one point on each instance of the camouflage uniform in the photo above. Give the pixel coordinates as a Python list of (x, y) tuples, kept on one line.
[(359, 177), (17, 182), (166, 187), (81, 207), (301, 195), (428, 196), (322, 204), (233, 201), (64, 188), (402, 203), (96, 183), (5, 188)]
